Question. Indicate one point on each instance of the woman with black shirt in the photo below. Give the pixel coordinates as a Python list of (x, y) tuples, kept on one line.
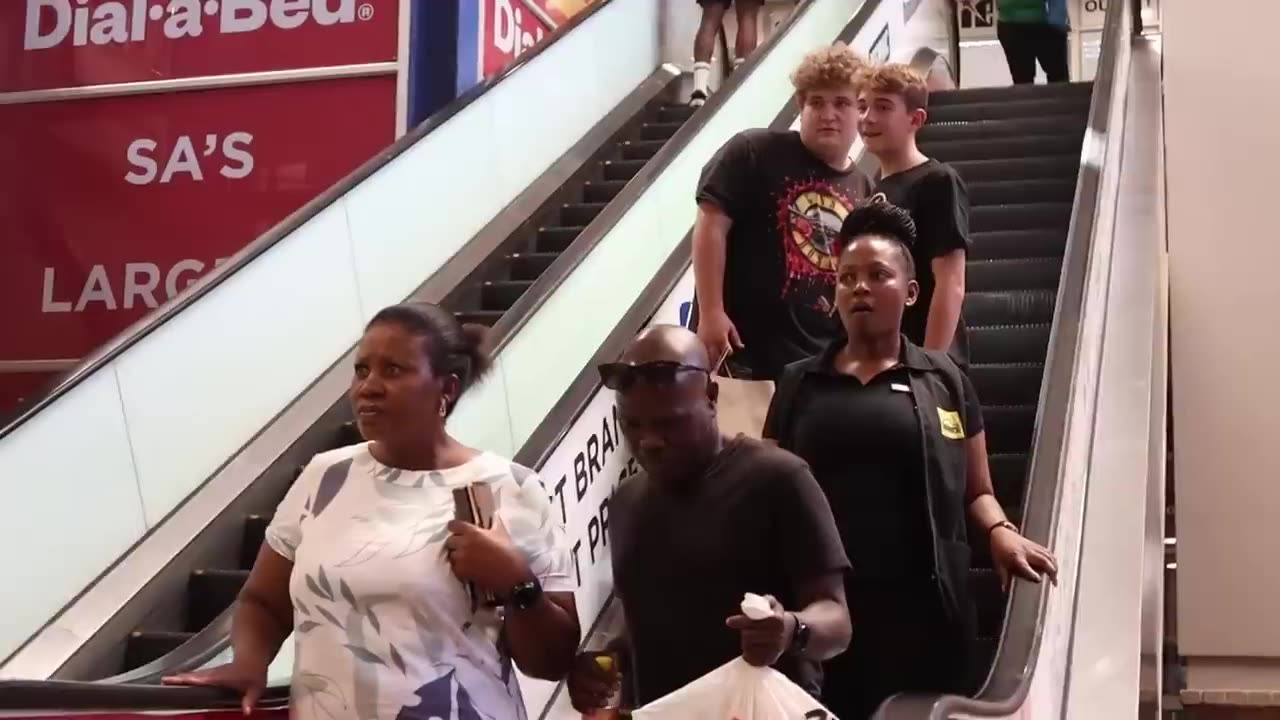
[(894, 435)]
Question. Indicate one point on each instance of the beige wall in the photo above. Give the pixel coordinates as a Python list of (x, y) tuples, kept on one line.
[(1222, 117)]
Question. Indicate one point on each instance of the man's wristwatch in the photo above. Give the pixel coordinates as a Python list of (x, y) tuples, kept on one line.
[(799, 636), (526, 594)]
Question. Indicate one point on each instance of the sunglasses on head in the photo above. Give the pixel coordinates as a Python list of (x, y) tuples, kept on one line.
[(621, 376)]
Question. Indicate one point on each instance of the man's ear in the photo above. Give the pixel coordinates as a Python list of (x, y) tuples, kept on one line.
[(913, 292), (919, 117)]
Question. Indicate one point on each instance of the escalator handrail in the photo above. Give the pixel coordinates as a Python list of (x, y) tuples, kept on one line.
[(135, 689), (1009, 682), (117, 345)]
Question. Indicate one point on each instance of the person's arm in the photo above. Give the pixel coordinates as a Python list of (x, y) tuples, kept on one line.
[(944, 227), (948, 299), (721, 194), (544, 638), (264, 615)]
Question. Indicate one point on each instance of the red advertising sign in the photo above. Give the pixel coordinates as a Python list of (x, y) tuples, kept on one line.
[(510, 27), (110, 206), (70, 43)]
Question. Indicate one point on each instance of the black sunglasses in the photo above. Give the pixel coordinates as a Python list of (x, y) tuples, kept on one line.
[(621, 376)]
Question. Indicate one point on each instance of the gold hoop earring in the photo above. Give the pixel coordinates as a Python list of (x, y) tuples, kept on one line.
[(444, 406)]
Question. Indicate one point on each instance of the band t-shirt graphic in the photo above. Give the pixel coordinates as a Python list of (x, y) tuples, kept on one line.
[(787, 207)]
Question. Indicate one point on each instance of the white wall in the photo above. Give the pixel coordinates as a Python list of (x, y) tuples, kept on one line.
[(1221, 111)]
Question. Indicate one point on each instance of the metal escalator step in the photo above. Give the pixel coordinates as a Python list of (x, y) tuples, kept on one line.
[(602, 191), (579, 214), (1009, 477), (556, 239), (999, 148), (1009, 308), (529, 266), (641, 149), (1027, 216), (1009, 427), (251, 539), (1063, 167), (622, 169), (1008, 109), (501, 294), (1016, 274), (1010, 244), (1015, 127), (1017, 192), (675, 113), (144, 646), (209, 592), (346, 435), (984, 583), (659, 130), (487, 318), (1080, 91), (1008, 343), (1003, 384)]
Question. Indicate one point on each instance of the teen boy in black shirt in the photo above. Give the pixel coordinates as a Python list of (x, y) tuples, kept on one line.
[(770, 205), (891, 110)]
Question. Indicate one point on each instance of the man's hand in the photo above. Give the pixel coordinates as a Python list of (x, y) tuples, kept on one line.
[(718, 335), (764, 641), (590, 685), (1016, 556), (487, 558)]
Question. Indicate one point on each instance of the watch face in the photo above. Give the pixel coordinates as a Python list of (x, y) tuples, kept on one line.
[(524, 595)]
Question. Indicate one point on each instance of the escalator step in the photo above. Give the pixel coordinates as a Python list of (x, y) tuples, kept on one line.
[(622, 169), (1002, 148), (1009, 308), (1009, 427), (1016, 192), (1018, 274), (984, 583), (529, 266), (602, 191), (1009, 244), (142, 647), (675, 113), (346, 435), (1017, 127), (641, 149), (255, 533), (1008, 109), (209, 592), (1061, 167), (1007, 383), (487, 318), (1029, 216), (502, 294), (1008, 343), (1080, 91), (557, 239), (659, 130), (1009, 477), (579, 214)]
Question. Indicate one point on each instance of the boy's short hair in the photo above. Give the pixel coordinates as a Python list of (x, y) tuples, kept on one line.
[(896, 79), (832, 66)]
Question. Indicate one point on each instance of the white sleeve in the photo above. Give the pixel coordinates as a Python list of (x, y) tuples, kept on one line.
[(536, 529), (284, 534)]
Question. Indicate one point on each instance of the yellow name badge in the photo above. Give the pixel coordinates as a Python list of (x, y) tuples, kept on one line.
[(952, 428)]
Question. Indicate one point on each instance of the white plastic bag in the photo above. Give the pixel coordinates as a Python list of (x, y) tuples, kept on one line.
[(737, 691)]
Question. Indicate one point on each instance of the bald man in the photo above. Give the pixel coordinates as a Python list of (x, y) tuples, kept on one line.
[(708, 520)]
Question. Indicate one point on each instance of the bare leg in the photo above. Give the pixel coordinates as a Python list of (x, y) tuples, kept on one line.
[(704, 45), (748, 33)]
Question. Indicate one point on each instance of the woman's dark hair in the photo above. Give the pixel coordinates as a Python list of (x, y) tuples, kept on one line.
[(884, 220), (451, 348)]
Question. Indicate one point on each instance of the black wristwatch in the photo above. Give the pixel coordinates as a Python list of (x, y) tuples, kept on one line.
[(526, 594), (799, 637)]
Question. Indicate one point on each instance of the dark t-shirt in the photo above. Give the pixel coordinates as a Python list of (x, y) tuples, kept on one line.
[(938, 201), (755, 522), (779, 280)]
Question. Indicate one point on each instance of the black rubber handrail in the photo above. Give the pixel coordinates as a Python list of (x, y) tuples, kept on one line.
[(166, 312), (1009, 681)]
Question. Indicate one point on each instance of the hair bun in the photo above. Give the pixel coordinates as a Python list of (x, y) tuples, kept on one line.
[(479, 351)]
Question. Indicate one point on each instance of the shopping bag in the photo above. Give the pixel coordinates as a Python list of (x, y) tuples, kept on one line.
[(743, 405), (737, 691)]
